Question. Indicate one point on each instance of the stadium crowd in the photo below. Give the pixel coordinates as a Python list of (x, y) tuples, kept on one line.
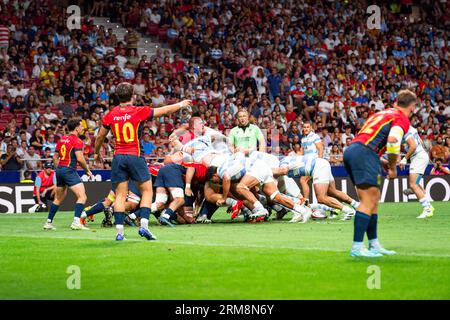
[(285, 62)]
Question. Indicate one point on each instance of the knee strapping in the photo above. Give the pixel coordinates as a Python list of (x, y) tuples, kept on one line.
[(273, 195), (161, 198)]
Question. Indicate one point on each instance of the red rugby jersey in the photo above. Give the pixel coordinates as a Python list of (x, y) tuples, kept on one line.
[(200, 171), (154, 169), (126, 125), (375, 131), (66, 148)]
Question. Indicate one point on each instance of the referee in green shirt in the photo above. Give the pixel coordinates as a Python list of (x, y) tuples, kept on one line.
[(246, 137)]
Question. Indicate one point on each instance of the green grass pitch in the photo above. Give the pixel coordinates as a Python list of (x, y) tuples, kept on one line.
[(274, 260)]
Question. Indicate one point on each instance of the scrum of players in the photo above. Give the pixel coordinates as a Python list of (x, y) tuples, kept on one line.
[(203, 173)]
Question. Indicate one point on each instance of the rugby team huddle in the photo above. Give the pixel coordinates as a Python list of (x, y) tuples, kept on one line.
[(207, 170)]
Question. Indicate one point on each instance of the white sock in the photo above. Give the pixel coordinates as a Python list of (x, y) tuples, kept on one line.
[(298, 208), (354, 204), (132, 216), (153, 207), (49, 221), (258, 206), (425, 202), (144, 223), (348, 210), (357, 246), (374, 243), (83, 215), (119, 228), (230, 202), (76, 219), (320, 206)]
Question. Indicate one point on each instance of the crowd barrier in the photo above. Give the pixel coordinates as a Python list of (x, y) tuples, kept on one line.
[(17, 198)]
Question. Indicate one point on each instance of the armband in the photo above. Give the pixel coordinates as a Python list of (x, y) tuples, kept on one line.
[(397, 133)]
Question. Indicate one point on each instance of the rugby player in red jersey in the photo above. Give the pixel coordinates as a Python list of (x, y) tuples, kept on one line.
[(126, 123), (383, 131), (69, 151)]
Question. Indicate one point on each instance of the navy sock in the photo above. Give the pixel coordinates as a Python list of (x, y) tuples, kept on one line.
[(172, 214), (78, 209), (144, 213), (96, 208), (138, 212), (208, 209), (51, 214), (119, 218), (361, 223), (372, 227)]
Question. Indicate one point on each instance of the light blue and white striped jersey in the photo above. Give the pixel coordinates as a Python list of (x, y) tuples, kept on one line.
[(299, 166), (219, 141), (201, 145), (271, 160), (412, 132), (309, 143), (234, 166)]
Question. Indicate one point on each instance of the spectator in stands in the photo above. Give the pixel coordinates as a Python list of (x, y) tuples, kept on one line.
[(439, 169), (5, 142), (10, 161), (32, 159), (438, 149), (147, 145), (37, 140), (50, 143), (336, 157)]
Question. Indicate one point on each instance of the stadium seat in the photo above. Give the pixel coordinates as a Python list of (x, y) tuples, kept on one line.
[(162, 34), (6, 116), (153, 29)]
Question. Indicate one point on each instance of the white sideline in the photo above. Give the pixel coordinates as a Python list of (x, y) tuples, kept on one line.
[(248, 246)]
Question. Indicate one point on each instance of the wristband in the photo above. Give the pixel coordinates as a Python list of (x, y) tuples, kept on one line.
[(188, 185)]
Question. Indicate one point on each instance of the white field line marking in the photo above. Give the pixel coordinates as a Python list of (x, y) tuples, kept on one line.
[(224, 245)]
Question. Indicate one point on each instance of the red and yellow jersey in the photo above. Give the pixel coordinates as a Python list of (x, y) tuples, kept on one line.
[(200, 171), (43, 181), (126, 125), (66, 148), (375, 131)]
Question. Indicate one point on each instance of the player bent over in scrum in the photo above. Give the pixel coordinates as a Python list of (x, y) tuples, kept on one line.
[(323, 181), (213, 200), (69, 151), (419, 161), (170, 181), (259, 173)]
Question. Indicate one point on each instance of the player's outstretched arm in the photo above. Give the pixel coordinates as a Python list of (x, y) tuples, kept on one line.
[(161, 111)]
